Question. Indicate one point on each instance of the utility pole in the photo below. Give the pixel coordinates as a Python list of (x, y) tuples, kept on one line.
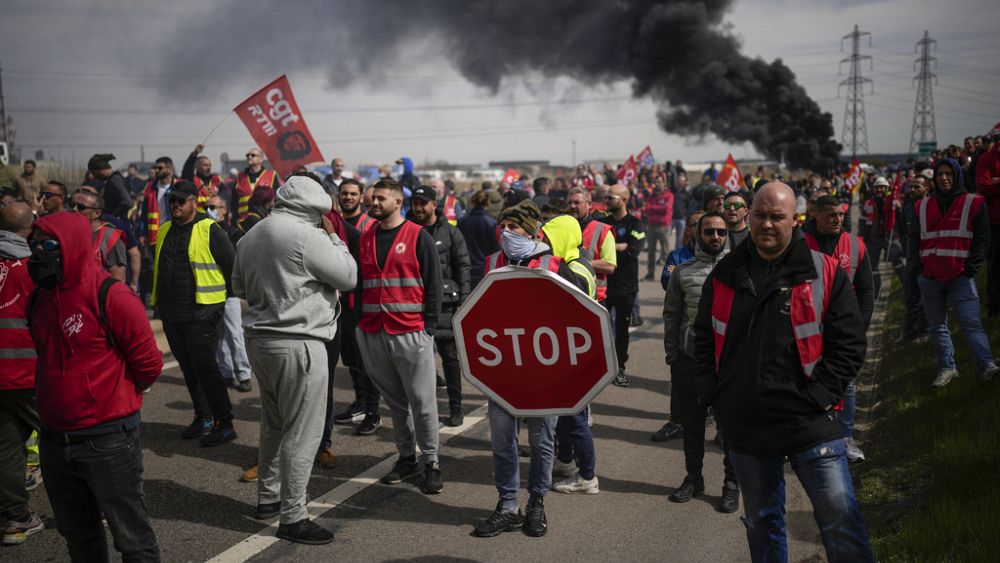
[(855, 131), (924, 135), (3, 111)]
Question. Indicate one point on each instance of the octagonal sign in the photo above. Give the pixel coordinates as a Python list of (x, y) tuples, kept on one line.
[(534, 343)]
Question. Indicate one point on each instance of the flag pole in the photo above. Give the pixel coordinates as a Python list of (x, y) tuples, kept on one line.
[(216, 127)]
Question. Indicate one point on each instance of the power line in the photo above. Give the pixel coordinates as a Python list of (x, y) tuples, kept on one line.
[(453, 107)]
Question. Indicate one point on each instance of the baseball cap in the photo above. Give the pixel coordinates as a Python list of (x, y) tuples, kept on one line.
[(425, 193), (927, 173), (183, 188), (711, 192)]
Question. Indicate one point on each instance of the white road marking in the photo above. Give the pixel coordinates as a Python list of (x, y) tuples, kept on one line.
[(334, 497)]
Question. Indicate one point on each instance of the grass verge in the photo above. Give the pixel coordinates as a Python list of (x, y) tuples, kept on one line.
[(930, 490)]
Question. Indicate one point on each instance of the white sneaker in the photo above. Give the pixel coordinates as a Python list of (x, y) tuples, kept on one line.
[(854, 453), (989, 372), (563, 469), (577, 484), (944, 377)]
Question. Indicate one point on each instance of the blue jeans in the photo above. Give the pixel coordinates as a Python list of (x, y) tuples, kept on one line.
[(233, 362), (961, 293), (679, 225), (506, 465), (102, 475), (576, 440), (822, 470), (846, 416)]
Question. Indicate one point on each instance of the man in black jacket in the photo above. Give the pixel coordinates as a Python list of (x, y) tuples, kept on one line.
[(774, 362), (623, 283), (825, 232), (455, 268), (191, 274), (114, 188)]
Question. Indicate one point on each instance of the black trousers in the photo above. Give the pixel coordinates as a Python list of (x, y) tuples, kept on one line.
[(194, 345), (686, 410), (448, 351), (102, 475), (620, 307), (18, 418), (993, 271), (914, 321)]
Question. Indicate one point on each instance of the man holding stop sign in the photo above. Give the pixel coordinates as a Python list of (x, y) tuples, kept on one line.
[(549, 362)]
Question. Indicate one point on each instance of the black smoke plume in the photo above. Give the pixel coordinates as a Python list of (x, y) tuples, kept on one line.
[(678, 52)]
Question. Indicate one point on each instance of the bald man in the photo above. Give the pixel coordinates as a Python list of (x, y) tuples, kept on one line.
[(778, 337), (623, 283)]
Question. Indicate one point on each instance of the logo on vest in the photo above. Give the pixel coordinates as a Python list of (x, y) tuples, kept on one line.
[(845, 261), (73, 324), (4, 270), (400, 248)]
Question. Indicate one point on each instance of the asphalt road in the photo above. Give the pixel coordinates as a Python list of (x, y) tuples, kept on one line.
[(201, 511)]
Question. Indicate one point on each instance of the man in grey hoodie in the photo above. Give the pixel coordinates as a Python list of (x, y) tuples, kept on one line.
[(290, 271)]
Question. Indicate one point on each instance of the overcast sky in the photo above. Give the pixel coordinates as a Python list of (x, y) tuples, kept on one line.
[(90, 76)]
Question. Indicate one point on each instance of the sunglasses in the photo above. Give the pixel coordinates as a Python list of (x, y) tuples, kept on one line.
[(48, 244), (733, 205), (82, 207), (252, 155), (47, 195), (214, 207), (180, 200), (717, 232)]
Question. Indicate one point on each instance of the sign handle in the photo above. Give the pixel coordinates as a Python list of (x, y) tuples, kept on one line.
[(205, 142)]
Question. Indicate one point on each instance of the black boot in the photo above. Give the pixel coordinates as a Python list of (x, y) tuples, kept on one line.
[(535, 524)]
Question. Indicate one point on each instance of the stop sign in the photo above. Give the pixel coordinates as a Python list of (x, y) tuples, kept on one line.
[(534, 343)]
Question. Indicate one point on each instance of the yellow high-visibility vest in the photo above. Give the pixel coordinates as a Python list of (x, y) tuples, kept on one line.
[(209, 284)]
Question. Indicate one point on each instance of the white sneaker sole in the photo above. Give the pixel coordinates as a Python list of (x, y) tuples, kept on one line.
[(572, 491)]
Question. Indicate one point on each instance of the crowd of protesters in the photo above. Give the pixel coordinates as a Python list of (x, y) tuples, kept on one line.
[(371, 276)]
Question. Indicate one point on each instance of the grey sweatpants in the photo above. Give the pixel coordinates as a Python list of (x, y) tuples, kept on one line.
[(292, 375), (402, 367)]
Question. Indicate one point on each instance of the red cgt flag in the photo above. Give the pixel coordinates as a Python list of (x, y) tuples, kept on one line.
[(730, 177), (628, 172), (511, 176), (276, 125)]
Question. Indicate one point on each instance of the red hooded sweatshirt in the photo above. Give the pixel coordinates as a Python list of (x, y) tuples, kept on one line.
[(82, 379)]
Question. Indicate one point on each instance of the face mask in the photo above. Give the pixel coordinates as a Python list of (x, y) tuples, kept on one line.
[(214, 214), (516, 247), (45, 268)]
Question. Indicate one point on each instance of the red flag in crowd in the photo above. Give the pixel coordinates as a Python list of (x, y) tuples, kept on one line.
[(897, 184), (855, 175), (511, 176), (628, 172), (646, 157), (730, 177), (276, 125)]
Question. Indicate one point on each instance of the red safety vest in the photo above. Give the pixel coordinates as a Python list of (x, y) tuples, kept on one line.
[(849, 252), (152, 210), (808, 308), (244, 189), (17, 350), (365, 222), (945, 241), (594, 235), (449, 209), (392, 297), (207, 191), (104, 239), (546, 262)]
